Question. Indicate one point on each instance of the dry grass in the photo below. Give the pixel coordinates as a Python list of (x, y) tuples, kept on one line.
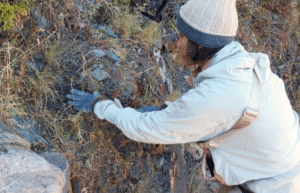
[(174, 95), (196, 182), (129, 25)]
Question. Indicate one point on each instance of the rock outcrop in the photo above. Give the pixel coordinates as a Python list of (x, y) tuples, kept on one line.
[(23, 170)]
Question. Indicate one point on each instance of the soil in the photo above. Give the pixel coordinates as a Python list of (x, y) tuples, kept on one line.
[(102, 158)]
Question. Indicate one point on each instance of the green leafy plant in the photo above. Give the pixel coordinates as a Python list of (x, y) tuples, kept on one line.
[(10, 13)]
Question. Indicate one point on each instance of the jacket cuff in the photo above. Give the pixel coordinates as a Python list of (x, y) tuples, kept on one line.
[(98, 99), (107, 110)]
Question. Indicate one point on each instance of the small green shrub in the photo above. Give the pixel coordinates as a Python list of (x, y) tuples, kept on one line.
[(172, 25), (126, 23), (150, 34), (10, 13)]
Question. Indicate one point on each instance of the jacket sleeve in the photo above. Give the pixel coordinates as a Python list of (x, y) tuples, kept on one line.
[(197, 116)]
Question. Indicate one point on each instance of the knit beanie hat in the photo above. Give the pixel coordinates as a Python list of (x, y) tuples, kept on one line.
[(209, 23)]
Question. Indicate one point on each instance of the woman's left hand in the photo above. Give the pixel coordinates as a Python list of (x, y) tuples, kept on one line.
[(81, 100)]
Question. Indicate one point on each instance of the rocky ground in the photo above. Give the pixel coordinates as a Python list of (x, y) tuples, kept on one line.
[(84, 44)]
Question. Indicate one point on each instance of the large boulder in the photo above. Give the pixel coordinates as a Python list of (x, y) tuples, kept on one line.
[(22, 170)]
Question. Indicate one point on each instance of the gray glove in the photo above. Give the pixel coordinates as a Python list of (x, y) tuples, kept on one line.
[(82, 101)]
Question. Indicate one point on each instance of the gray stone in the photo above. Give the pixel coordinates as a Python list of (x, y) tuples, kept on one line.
[(158, 44), (88, 164), (106, 29), (3, 127), (36, 13), (78, 187), (11, 138), (32, 65), (43, 22), (101, 66), (115, 57), (28, 129), (135, 171), (100, 74), (160, 178), (26, 171), (74, 63), (22, 170), (275, 17), (99, 53), (39, 66), (161, 162), (257, 1), (60, 160), (173, 36), (61, 15)]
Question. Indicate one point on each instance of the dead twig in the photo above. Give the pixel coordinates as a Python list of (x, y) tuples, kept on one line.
[(156, 93)]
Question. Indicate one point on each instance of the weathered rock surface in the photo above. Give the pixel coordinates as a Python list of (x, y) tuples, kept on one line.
[(22, 170), (25, 171)]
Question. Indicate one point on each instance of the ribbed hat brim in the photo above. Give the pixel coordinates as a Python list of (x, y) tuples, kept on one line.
[(203, 39)]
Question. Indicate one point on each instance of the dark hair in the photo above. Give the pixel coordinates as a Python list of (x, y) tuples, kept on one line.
[(202, 53)]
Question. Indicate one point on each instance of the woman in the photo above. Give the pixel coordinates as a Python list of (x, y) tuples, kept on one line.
[(264, 156)]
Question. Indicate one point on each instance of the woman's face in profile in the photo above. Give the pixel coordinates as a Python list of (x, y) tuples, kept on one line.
[(184, 51)]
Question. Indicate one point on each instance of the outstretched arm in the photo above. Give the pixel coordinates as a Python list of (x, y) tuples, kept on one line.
[(200, 114)]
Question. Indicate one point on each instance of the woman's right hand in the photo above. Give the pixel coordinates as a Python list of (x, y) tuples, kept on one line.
[(194, 75), (190, 80)]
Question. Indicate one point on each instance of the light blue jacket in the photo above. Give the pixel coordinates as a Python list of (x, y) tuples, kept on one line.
[(267, 148)]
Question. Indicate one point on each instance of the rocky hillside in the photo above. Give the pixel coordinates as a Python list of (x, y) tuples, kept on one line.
[(110, 47)]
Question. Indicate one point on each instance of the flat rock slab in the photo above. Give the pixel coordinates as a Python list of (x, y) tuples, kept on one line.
[(106, 29), (99, 53), (60, 160), (100, 74), (28, 128)]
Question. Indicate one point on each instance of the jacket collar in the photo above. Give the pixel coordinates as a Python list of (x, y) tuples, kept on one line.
[(234, 63), (229, 50)]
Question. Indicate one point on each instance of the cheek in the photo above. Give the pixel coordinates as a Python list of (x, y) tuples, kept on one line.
[(181, 50)]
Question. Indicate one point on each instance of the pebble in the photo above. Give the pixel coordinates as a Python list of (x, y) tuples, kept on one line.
[(158, 44), (275, 17), (115, 57), (61, 15), (88, 164), (160, 179), (135, 171), (99, 53), (100, 74), (160, 162), (32, 65), (107, 29), (62, 3), (78, 187), (40, 66), (43, 22), (74, 63)]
